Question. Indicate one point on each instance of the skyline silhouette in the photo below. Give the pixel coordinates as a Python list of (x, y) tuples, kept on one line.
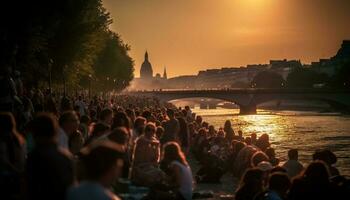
[(188, 36)]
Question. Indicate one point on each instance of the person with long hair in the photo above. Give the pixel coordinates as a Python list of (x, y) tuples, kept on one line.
[(229, 132), (145, 157), (180, 171), (314, 183), (251, 184)]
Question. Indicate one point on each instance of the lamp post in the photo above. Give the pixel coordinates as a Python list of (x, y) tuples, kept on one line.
[(50, 75), (90, 77)]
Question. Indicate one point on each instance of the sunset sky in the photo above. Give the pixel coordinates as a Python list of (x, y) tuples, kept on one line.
[(191, 35)]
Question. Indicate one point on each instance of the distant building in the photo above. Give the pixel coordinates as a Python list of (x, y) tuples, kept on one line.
[(234, 77), (147, 80), (330, 65), (146, 71)]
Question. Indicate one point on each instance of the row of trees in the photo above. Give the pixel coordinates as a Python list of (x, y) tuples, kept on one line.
[(303, 77), (69, 39)]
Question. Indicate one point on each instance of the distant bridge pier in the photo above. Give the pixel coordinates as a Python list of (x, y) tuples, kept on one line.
[(247, 109)]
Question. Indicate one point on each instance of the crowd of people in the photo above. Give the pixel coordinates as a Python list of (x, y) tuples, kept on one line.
[(59, 147)]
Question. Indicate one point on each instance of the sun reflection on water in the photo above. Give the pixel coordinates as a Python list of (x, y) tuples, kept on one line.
[(305, 131)]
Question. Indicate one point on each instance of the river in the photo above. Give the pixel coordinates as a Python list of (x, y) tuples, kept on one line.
[(305, 131)]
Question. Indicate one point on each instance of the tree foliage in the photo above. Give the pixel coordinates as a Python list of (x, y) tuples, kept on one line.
[(70, 34), (302, 77), (268, 79), (113, 66), (341, 78)]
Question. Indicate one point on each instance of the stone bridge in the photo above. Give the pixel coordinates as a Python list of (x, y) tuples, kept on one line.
[(248, 99)]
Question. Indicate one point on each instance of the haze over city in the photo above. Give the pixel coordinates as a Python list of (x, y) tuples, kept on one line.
[(191, 35)]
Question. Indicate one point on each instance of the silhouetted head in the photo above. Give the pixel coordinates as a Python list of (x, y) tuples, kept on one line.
[(317, 173), (69, 121), (279, 182), (159, 132), (150, 130), (227, 125), (106, 116), (264, 137), (240, 133), (293, 154), (325, 155), (103, 163), (139, 125), (253, 177), (99, 129), (253, 136), (44, 128), (172, 151), (258, 157), (120, 119), (170, 113), (199, 120), (238, 146), (119, 135)]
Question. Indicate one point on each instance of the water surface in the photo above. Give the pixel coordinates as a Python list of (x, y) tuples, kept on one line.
[(305, 131)]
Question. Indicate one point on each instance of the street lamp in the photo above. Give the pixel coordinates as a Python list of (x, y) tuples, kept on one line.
[(90, 77), (50, 75)]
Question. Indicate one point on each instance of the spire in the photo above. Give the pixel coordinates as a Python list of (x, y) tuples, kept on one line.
[(165, 76), (146, 55)]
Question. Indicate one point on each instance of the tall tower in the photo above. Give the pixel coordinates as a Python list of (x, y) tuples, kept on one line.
[(165, 76), (146, 71)]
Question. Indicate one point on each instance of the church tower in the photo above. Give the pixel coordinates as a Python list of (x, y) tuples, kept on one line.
[(165, 76), (146, 71)]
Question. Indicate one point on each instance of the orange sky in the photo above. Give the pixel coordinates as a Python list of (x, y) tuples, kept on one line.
[(191, 35)]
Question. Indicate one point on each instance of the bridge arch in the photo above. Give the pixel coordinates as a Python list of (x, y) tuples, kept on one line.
[(248, 99)]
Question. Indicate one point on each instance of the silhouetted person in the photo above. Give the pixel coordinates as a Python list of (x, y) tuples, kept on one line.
[(179, 170), (12, 156), (329, 158), (171, 127), (251, 184), (293, 166), (146, 154), (229, 132), (314, 183), (258, 157), (121, 137), (270, 152), (106, 116), (278, 187), (103, 166), (183, 135), (98, 130), (68, 123), (49, 168), (263, 142)]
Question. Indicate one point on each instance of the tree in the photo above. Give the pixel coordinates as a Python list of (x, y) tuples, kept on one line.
[(268, 79), (113, 67), (302, 77), (341, 78), (68, 32)]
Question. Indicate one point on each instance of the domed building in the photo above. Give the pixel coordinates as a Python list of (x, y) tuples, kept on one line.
[(146, 71), (147, 80)]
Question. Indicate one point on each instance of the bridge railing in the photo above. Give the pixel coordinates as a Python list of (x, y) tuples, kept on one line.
[(246, 90)]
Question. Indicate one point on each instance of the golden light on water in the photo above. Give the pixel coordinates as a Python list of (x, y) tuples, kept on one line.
[(260, 124)]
